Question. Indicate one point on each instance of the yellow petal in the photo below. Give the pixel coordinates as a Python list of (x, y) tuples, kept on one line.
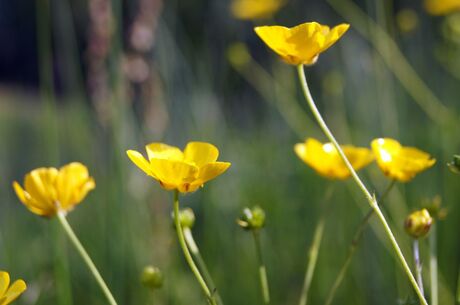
[(40, 185), (31, 203), (163, 151), (275, 37), (4, 282), (174, 174), (210, 171), (70, 181), (15, 291), (138, 159), (441, 7), (200, 153), (81, 193)]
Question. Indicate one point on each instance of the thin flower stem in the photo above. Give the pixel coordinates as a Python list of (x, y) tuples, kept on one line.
[(354, 246), (370, 198), (418, 264), (188, 235), (262, 270), (314, 250), (81, 250), (187, 255), (433, 266)]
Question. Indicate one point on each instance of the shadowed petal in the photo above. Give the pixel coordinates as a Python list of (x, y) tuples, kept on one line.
[(200, 153), (163, 151)]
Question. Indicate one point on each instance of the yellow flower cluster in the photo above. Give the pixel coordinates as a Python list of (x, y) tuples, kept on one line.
[(396, 162), (9, 293)]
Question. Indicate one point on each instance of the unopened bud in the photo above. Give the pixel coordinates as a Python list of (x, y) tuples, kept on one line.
[(418, 223), (152, 277), (252, 219), (186, 218), (238, 55), (454, 166)]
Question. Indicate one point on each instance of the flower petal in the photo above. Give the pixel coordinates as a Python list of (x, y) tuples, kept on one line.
[(163, 151), (138, 159), (15, 290), (212, 170), (70, 181), (172, 173), (40, 185), (31, 203), (4, 282), (200, 153)]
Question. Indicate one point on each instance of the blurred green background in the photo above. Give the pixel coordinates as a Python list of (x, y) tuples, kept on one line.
[(87, 80)]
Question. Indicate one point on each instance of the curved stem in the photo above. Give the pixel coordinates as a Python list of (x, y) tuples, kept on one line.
[(262, 270), (188, 256), (201, 264), (81, 250), (418, 264), (370, 198), (354, 245)]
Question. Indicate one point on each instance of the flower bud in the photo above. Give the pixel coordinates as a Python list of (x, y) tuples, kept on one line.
[(152, 277), (252, 219), (454, 166), (186, 218), (418, 223)]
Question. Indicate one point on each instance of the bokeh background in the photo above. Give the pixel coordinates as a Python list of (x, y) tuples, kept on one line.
[(87, 80)]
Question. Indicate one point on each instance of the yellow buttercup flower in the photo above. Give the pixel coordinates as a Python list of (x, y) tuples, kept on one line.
[(326, 161), (399, 162), (442, 7), (48, 191), (301, 44), (184, 171), (255, 9), (10, 293)]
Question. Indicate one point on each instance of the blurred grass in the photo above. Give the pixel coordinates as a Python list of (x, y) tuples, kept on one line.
[(254, 115)]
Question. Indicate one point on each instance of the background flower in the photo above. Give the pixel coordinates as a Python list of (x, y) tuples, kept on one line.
[(10, 293), (399, 162), (326, 161)]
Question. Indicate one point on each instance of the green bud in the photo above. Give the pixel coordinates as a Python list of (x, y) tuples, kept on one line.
[(152, 277), (418, 223), (186, 218), (454, 166), (238, 55), (433, 205), (252, 219)]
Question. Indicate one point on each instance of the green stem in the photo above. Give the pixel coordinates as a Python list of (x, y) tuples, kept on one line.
[(354, 245), (370, 198), (314, 250), (188, 235), (312, 259), (418, 264), (187, 255), (262, 270), (81, 250), (433, 266)]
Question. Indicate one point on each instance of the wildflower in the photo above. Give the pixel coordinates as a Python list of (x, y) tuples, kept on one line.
[(301, 44), (48, 191), (255, 9), (326, 161), (418, 223), (399, 162), (441, 7), (10, 293), (252, 219), (184, 171)]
